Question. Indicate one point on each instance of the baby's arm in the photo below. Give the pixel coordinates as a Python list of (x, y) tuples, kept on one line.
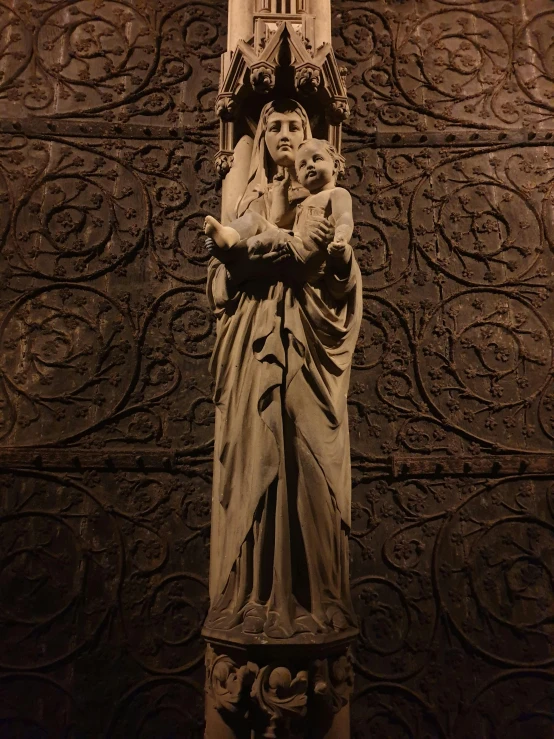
[(341, 209), (339, 250)]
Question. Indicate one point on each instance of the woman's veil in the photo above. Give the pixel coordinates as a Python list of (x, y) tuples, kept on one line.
[(260, 164)]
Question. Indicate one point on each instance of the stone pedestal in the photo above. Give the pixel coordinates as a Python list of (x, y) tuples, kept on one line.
[(278, 691)]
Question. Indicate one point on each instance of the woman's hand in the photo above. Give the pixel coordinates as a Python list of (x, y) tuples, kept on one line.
[(213, 249), (265, 251), (260, 257), (267, 248), (280, 197)]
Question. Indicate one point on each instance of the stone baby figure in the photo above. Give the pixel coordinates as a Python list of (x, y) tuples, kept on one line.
[(317, 166)]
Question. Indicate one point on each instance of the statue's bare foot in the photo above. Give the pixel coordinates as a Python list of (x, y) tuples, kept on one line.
[(224, 236)]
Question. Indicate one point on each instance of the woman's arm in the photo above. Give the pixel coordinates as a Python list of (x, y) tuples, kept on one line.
[(257, 257), (280, 206)]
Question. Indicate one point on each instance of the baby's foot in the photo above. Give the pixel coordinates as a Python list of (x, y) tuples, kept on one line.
[(224, 236)]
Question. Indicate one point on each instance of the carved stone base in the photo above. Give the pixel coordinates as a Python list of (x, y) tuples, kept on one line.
[(277, 692)]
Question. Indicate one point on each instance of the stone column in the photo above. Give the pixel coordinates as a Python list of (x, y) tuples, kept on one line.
[(241, 22), (322, 11)]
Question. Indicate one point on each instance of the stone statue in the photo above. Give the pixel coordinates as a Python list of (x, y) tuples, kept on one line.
[(286, 290)]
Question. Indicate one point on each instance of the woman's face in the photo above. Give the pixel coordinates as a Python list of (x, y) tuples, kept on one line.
[(284, 133)]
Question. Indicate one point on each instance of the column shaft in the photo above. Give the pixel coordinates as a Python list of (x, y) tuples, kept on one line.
[(241, 22)]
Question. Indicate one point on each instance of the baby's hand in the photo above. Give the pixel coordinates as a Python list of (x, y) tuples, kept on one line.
[(340, 249)]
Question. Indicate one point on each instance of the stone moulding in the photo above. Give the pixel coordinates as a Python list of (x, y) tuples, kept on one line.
[(252, 68)]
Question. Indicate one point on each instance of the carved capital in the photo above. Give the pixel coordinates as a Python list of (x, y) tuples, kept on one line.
[(338, 111), (276, 697), (227, 682), (226, 107), (262, 77), (223, 162), (307, 79), (333, 681), (281, 696)]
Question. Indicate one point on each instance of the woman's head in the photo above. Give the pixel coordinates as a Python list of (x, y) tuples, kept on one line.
[(286, 126), (283, 125)]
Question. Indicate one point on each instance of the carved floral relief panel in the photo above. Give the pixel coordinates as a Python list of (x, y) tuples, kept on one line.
[(431, 65), (105, 317), (452, 583), (455, 247), (106, 421), (103, 589), (112, 60)]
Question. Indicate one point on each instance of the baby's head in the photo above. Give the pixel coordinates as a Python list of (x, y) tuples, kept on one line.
[(317, 164)]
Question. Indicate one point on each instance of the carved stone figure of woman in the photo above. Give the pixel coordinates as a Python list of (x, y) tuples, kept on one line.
[(282, 488)]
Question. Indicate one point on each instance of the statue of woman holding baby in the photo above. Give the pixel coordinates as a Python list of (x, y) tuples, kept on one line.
[(286, 290)]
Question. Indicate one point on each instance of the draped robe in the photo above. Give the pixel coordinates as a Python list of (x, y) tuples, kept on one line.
[(282, 487)]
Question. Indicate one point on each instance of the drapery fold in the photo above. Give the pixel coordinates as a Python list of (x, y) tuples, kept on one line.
[(281, 503)]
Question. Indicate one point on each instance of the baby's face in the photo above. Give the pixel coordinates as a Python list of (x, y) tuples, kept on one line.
[(315, 167)]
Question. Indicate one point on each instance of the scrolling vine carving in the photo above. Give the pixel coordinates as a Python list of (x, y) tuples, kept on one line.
[(105, 397), (111, 59), (439, 64)]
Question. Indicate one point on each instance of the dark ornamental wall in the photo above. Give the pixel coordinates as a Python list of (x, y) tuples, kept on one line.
[(452, 403), (107, 136)]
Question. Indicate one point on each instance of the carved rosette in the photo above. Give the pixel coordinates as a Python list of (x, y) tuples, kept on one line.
[(307, 79), (225, 107), (338, 111)]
